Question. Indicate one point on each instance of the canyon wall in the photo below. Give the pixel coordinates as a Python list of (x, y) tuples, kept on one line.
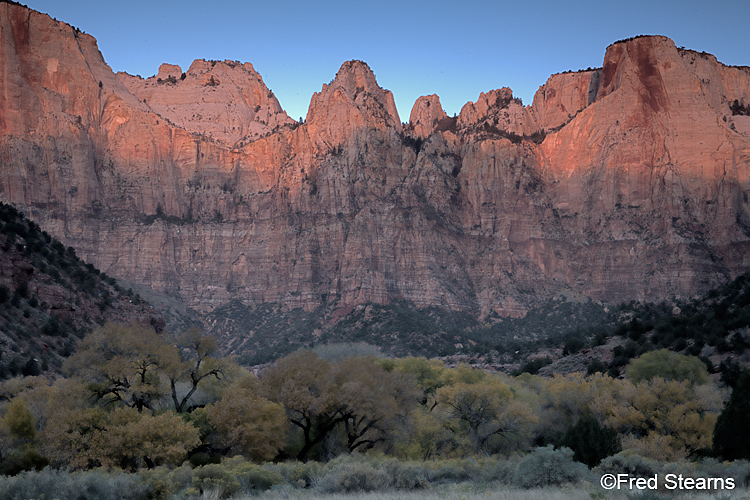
[(619, 183)]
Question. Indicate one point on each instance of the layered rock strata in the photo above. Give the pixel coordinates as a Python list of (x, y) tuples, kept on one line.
[(620, 183)]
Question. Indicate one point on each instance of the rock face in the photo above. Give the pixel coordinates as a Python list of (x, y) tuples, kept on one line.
[(426, 116), (625, 182), (226, 101)]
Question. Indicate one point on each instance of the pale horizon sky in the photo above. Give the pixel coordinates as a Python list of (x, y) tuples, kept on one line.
[(415, 48)]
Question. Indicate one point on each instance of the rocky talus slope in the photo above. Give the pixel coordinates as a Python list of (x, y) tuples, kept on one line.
[(624, 182)]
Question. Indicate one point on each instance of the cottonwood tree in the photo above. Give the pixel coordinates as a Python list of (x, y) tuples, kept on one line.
[(301, 382), (122, 365), (485, 414), (669, 366), (564, 399), (124, 438), (248, 423), (664, 419), (196, 364), (136, 367), (374, 403), (356, 394), (429, 374)]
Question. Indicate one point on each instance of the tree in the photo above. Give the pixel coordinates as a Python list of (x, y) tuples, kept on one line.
[(664, 419), (122, 365), (485, 414), (732, 434), (301, 382), (590, 442), (136, 367), (669, 366), (429, 374), (123, 438), (196, 364), (373, 402), (355, 396), (18, 436), (248, 423), (564, 399)]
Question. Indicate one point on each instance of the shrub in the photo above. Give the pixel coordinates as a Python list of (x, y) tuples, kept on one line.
[(494, 470), (549, 467), (24, 459), (406, 476), (740, 471), (23, 290), (532, 367), (253, 477), (63, 485), (634, 465), (596, 366), (299, 473), (53, 327), (453, 471), (573, 345), (346, 475), (158, 481), (217, 478)]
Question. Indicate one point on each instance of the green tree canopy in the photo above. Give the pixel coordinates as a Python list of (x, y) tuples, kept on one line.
[(669, 366)]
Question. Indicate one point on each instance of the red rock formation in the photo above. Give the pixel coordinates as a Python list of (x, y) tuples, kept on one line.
[(226, 101), (637, 191), (426, 116)]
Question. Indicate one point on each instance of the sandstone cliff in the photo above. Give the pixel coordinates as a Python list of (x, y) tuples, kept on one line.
[(226, 101), (426, 116), (626, 182)]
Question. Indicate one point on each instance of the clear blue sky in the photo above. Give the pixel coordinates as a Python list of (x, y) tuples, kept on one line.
[(455, 48)]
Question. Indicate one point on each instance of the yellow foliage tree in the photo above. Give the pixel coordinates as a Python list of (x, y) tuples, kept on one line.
[(123, 438), (486, 416), (664, 419), (249, 423), (121, 364)]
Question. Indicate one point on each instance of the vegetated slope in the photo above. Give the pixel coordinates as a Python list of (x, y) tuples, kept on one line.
[(715, 327), (621, 182), (261, 334), (49, 298), (564, 335)]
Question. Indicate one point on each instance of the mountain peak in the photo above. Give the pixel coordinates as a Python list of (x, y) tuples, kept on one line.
[(356, 74), (425, 115), (225, 100), (353, 100)]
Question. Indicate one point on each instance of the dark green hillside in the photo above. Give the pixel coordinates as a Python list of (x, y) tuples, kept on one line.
[(715, 327)]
